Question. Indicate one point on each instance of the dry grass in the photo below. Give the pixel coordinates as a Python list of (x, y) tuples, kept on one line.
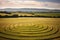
[(35, 28)]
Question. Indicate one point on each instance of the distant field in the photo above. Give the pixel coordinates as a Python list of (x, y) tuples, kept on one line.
[(48, 14), (44, 15), (30, 28)]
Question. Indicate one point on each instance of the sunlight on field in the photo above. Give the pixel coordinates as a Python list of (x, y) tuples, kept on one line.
[(30, 28)]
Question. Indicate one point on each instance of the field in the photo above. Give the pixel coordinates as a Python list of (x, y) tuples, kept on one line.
[(30, 14), (29, 28)]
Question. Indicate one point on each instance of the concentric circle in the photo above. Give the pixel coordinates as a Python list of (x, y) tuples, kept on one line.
[(35, 31)]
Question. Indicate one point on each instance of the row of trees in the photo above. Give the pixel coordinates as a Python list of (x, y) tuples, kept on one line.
[(25, 12), (31, 16)]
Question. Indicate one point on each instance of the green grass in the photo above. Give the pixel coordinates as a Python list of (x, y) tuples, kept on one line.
[(48, 14)]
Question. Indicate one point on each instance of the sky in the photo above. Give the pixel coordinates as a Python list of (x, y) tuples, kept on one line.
[(51, 4)]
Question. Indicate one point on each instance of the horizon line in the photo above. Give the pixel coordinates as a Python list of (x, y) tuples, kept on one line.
[(31, 7)]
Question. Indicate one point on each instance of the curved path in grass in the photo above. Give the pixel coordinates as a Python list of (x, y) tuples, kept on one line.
[(29, 30)]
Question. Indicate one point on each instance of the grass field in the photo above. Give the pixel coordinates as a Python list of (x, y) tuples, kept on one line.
[(48, 15), (30, 28)]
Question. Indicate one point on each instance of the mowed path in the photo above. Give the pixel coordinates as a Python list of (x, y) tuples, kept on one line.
[(30, 28)]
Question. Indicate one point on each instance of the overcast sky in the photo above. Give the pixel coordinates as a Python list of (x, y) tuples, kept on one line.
[(30, 4)]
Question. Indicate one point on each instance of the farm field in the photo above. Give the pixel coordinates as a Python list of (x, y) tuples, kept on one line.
[(29, 28), (46, 15)]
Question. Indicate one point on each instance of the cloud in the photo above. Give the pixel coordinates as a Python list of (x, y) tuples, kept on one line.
[(28, 4), (52, 5), (56, 1), (22, 4)]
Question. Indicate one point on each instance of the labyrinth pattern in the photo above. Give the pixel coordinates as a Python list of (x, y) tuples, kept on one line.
[(29, 31), (29, 28)]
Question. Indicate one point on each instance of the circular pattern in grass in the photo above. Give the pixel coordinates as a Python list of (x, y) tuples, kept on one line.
[(15, 31)]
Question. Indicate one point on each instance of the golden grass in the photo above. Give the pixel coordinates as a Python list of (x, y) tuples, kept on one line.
[(30, 28)]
